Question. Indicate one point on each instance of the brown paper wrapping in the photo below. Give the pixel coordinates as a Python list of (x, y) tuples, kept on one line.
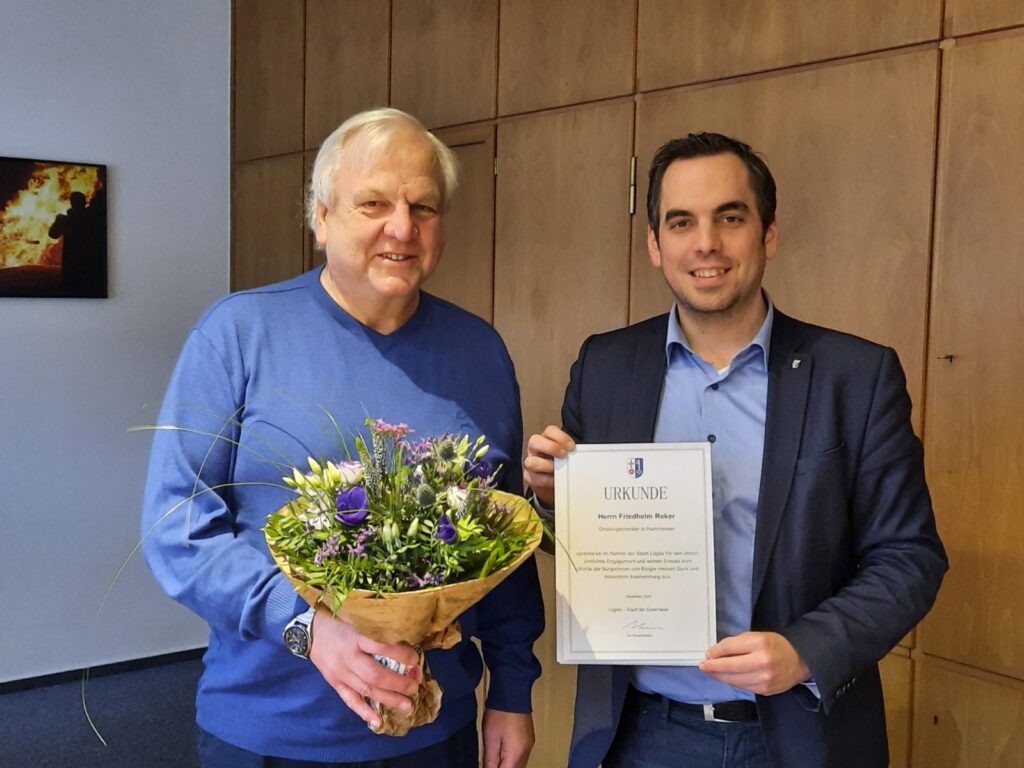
[(425, 618)]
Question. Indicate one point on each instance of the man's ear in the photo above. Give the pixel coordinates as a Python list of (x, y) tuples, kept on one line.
[(320, 221), (771, 240), (653, 249)]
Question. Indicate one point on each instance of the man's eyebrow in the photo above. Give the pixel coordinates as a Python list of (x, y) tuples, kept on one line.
[(733, 205), (369, 192), (432, 197), (676, 213)]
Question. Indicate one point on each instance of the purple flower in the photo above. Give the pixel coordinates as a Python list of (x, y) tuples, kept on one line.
[(482, 470), (359, 548), (352, 506), (445, 531), (328, 549), (430, 580)]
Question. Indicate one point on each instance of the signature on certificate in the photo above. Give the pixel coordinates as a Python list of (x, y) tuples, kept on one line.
[(636, 624)]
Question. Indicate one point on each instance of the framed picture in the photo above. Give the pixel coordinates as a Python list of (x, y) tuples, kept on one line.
[(53, 228)]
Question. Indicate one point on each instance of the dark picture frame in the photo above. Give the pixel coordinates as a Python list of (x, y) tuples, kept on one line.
[(53, 228)]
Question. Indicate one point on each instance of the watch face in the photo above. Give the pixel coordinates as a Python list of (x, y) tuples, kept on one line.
[(296, 640)]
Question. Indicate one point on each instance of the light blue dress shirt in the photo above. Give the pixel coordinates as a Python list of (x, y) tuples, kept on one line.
[(727, 408)]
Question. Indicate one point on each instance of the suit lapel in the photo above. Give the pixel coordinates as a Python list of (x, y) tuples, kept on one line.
[(789, 378), (643, 387)]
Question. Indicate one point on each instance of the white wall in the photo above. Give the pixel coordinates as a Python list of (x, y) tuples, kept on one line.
[(143, 87)]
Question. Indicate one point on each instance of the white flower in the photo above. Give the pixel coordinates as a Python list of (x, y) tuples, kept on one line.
[(350, 472), (457, 496)]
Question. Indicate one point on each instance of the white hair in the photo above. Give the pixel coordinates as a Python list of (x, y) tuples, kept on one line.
[(378, 127)]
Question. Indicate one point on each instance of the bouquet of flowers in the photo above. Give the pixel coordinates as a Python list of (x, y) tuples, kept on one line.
[(400, 540)]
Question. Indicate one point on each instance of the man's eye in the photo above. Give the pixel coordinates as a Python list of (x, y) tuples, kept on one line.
[(679, 224), (732, 219), (423, 208)]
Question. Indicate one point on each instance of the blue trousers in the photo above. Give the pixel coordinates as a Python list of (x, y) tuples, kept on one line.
[(460, 750), (652, 734)]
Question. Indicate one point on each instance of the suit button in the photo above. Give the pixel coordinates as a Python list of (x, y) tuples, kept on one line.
[(711, 438)]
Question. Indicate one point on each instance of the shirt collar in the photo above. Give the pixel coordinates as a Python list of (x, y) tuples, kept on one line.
[(762, 339)]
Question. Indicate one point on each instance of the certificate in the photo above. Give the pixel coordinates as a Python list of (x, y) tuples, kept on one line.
[(634, 561)]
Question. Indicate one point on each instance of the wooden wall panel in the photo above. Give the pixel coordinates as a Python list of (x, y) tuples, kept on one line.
[(561, 243), (347, 54), (267, 78), (705, 39), (974, 432), (561, 248), (465, 275), (896, 688), (267, 226), (964, 17), (556, 52), (444, 61), (963, 721), (554, 696), (851, 148)]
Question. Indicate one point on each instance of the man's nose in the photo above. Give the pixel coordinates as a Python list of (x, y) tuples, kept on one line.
[(708, 238), (400, 225)]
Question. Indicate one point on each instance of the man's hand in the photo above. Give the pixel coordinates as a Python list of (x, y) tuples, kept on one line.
[(759, 662), (508, 739), (345, 659), (539, 466)]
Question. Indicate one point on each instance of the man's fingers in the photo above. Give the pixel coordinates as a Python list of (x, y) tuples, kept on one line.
[(552, 442), (559, 436), (728, 665), (357, 704), (538, 465), (745, 642), (492, 753), (381, 681), (403, 654)]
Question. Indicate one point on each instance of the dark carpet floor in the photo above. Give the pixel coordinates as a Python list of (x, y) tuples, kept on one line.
[(147, 716)]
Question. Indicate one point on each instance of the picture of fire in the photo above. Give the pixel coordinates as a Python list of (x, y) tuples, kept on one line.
[(53, 229)]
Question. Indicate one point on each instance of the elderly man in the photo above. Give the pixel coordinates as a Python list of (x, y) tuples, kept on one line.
[(260, 370), (825, 545)]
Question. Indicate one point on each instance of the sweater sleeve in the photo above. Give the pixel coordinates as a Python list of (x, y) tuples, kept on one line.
[(200, 551)]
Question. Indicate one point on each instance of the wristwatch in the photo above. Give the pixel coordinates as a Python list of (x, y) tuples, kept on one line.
[(298, 635)]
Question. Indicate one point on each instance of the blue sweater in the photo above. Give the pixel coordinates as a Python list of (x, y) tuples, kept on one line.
[(263, 369)]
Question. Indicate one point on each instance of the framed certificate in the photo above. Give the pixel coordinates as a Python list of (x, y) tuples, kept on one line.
[(634, 561)]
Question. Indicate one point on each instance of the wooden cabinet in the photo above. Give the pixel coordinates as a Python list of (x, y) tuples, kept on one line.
[(347, 53), (966, 719), (267, 224), (561, 248), (267, 85), (974, 433), (556, 52), (561, 243), (851, 148), (891, 226), (444, 59), (896, 688), (964, 17), (554, 695), (703, 40), (465, 275)]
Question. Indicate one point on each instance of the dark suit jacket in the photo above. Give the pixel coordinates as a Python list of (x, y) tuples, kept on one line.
[(846, 555)]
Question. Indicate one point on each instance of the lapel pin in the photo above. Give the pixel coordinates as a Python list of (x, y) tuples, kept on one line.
[(796, 364)]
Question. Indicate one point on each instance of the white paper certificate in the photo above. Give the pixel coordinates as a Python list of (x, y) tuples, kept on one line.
[(635, 564)]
